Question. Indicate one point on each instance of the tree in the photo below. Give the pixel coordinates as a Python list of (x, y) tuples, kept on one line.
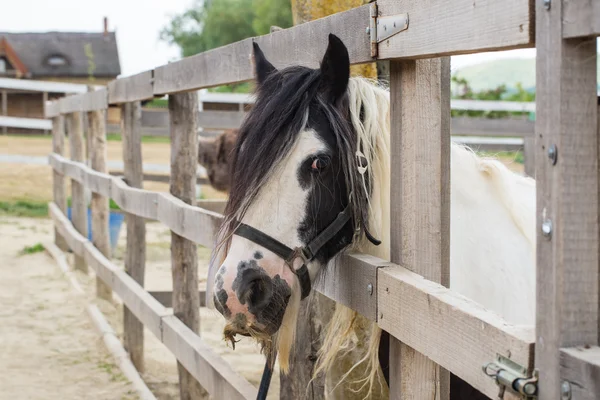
[(215, 23)]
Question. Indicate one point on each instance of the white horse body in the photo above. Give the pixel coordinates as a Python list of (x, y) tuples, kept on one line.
[(492, 239)]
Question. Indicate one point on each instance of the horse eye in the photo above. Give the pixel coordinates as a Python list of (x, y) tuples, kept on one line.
[(319, 163)]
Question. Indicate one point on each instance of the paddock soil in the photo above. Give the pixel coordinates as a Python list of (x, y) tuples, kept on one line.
[(48, 346)]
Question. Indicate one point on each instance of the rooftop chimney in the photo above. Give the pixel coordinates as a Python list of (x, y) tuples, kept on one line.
[(105, 26)]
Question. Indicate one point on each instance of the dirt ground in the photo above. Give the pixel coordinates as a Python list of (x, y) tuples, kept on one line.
[(48, 346)]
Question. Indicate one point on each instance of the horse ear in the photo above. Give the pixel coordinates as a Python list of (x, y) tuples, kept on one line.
[(262, 67), (335, 68)]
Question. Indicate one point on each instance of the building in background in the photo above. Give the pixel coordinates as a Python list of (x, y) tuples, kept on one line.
[(86, 58)]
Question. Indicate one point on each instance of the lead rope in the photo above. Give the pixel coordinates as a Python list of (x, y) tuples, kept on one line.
[(265, 381)]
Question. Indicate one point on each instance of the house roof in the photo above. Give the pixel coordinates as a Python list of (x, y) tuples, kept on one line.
[(83, 52)]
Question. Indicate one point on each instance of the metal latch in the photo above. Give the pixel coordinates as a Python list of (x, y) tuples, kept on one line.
[(512, 376), (382, 28)]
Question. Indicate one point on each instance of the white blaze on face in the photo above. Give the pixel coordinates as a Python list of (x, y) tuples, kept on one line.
[(278, 210)]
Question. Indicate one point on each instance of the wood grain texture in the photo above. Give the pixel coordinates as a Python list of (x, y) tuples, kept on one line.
[(442, 324), (131, 88), (221, 381), (420, 195), (184, 255), (206, 119), (441, 27), (347, 281), (91, 101), (581, 18), (214, 373), (303, 44), (100, 236), (78, 203), (135, 257), (567, 195), (52, 109), (166, 297), (529, 156), (59, 188), (492, 127), (580, 367)]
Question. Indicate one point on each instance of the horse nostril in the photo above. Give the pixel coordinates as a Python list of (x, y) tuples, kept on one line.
[(257, 292)]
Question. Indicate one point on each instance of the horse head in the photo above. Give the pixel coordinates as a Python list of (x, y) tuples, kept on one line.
[(299, 195)]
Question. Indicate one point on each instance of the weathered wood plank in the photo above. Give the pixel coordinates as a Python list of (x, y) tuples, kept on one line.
[(91, 101), (136, 202), (213, 373), (78, 203), (59, 188), (448, 328), (580, 367), (581, 18), (131, 88), (567, 195), (529, 156), (221, 381), (304, 44), (206, 119), (100, 236), (420, 195), (166, 297), (347, 281), (52, 109), (492, 127), (184, 255), (441, 27), (135, 257)]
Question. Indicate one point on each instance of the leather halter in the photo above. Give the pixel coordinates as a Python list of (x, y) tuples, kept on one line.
[(306, 253)]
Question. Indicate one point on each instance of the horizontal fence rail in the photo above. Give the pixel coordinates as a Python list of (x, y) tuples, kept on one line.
[(412, 305), (211, 371)]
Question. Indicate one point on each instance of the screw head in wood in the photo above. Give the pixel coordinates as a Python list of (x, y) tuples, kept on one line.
[(547, 228), (547, 4), (553, 154), (565, 391), (370, 289)]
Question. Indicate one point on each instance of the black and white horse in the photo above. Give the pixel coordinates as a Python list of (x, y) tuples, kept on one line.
[(312, 165)]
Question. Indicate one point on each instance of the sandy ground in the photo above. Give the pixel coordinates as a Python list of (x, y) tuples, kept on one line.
[(48, 346), (47, 342)]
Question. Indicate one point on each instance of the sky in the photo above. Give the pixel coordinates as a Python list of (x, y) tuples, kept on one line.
[(137, 24)]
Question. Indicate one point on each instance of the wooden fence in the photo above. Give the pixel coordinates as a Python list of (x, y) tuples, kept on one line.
[(441, 330)]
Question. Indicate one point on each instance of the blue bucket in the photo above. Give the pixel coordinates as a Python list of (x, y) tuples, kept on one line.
[(115, 221)]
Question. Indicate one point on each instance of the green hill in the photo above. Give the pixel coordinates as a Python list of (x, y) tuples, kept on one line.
[(491, 74)]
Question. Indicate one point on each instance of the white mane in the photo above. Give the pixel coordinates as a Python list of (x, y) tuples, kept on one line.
[(492, 244)]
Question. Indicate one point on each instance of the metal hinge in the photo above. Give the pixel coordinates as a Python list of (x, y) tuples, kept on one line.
[(382, 28), (512, 376)]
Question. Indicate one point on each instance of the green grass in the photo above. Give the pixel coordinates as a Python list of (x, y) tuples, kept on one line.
[(36, 248), (116, 137), (24, 208)]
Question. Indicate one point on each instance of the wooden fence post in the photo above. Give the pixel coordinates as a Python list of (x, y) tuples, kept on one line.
[(78, 203), (529, 155), (58, 186), (420, 199), (135, 259), (100, 211), (567, 195), (4, 108), (183, 111)]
